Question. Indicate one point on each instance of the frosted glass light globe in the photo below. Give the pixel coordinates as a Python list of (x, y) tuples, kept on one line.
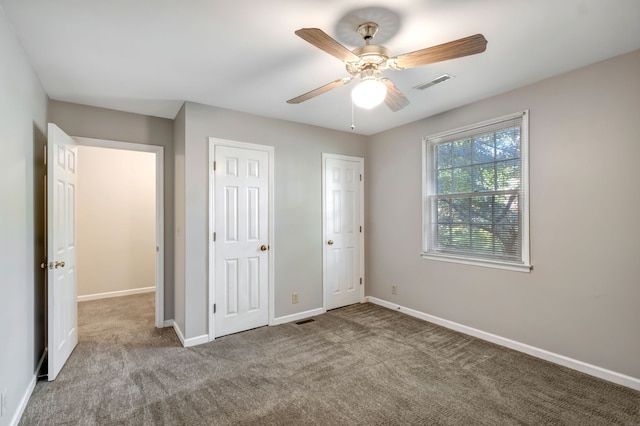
[(369, 93)]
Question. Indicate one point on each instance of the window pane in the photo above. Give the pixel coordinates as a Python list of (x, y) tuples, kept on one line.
[(460, 210), (443, 156), (486, 226), (508, 174), (481, 209), (443, 182), (483, 149), (495, 224), (462, 180), (506, 210), (444, 236), (482, 240), (461, 153), (508, 241), (444, 211), (508, 143), (460, 237), (484, 178)]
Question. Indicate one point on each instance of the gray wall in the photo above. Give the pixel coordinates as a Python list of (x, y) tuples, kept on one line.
[(179, 208), (100, 123), (297, 199), (581, 299), (23, 124)]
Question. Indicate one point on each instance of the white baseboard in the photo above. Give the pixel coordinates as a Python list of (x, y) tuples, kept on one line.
[(193, 341), (176, 328), (168, 323), (592, 370), (297, 317), (24, 401), (198, 340), (118, 293)]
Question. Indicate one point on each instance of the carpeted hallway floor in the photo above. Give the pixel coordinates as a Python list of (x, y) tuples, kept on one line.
[(359, 365)]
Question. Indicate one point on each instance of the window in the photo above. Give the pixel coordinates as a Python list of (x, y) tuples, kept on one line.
[(475, 207)]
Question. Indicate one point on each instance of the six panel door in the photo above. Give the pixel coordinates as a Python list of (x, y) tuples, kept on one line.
[(61, 249), (342, 245), (242, 239)]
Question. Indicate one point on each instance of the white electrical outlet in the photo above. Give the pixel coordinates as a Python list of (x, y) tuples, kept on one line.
[(394, 289), (294, 298)]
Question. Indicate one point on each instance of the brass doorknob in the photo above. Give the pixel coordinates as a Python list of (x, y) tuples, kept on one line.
[(59, 264), (263, 248), (330, 242)]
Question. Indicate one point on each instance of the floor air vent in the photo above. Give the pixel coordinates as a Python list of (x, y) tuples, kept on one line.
[(305, 321)]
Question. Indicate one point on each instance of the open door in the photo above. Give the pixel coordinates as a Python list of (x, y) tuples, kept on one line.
[(62, 306)]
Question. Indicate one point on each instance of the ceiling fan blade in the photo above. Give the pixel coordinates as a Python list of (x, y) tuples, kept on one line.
[(442, 52), (320, 90), (323, 41), (395, 99)]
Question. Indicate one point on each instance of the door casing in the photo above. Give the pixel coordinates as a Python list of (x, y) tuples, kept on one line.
[(213, 142)]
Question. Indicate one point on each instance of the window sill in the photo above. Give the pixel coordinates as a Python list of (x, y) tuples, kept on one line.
[(478, 262)]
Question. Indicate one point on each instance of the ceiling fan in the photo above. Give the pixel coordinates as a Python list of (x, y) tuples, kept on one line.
[(370, 60)]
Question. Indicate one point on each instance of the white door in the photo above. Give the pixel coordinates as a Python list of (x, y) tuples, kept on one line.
[(241, 224), (343, 237), (62, 308)]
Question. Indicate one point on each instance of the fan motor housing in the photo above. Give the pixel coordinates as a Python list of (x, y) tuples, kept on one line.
[(372, 53), (371, 56)]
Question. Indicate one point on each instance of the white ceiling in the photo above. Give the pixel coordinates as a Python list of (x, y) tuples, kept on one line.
[(148, 56)]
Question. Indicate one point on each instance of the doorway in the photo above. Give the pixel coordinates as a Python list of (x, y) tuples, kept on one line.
[(61, 239), (143, 257)]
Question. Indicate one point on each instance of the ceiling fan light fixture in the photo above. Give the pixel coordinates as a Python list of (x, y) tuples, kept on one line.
[(369, 93)]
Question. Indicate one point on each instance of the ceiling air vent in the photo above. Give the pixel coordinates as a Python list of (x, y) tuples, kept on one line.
[(443, 77)]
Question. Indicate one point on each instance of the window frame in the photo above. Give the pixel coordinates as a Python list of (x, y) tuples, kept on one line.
[(429, 190)]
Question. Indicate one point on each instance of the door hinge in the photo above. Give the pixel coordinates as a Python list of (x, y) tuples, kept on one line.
[(360, 280), (214, 236), (360, 228), (360, 178), (214, 308), (214, 166)]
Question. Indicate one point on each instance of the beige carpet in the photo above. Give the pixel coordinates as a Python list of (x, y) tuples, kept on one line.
[(359, 365)]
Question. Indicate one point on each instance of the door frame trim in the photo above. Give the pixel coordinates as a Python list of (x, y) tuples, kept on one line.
[(159, 156), (213, 142), (359, 160)]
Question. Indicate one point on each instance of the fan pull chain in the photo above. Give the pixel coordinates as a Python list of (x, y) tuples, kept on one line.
[(353, 122)]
